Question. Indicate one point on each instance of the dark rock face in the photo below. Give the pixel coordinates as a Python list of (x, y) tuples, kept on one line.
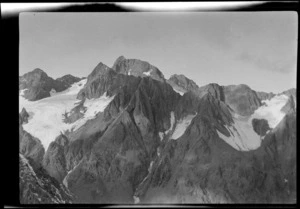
[(290, 105), (68, 80), (182, 83), (37, 187), (264, 95), (39, 85), (214, 89), (31, 147), (241, 99), (260, 126), (24, 116), (98, 82), (54, 160), (138, 68), (290, 92), (110, 163)]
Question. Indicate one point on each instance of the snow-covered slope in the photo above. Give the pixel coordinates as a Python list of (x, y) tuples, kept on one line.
[(271, 111), (46, 115), (242, 135), (182, 126)]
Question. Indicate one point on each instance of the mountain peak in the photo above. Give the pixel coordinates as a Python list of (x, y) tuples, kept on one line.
[(138, 68), (182, 83), (38, 70), (99, 69), (118, 60)]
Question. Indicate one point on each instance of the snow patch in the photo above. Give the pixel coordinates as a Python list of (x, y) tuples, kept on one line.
[(47, 114), (172, 121), (136, 200), (242, 136), (129, 72), (271, 111), (161, 135), (178, 91), (182, 126), (94, 106), (148, 72), (150, 166), (158, 152), (22, 92), (65, 180)]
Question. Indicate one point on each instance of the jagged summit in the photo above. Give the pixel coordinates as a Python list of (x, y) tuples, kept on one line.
[(136, 67), (118, 60), (123, 135), (100, 69), (182, 84)]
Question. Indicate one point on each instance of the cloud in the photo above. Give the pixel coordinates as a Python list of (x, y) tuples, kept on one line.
[(279, 64)]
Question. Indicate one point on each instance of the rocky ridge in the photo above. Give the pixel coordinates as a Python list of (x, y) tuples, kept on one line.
[(127, 153)]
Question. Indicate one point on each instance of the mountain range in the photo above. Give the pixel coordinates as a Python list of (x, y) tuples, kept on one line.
[(125, 134)]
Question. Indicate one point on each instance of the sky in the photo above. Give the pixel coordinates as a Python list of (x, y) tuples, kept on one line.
[(254, 48)]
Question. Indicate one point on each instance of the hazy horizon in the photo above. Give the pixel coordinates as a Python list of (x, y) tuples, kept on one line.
[(258, 49)]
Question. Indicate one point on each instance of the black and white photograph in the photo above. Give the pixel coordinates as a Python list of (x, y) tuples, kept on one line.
[(168, 107)]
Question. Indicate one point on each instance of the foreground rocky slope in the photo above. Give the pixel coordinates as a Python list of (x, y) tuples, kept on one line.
[(36, 186), (167, 141)]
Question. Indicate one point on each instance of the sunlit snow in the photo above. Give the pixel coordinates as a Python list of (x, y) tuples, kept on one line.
[(147, 73), (136, 200), (182, 126), (46, 115), (178, 91), (161, 135), (242, 136), (272, 111), (65, 180), (172, 121)]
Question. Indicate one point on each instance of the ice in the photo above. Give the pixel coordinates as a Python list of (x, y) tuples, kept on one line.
[(172, 121), (93, 106), (182, 126), (272, 111), (46, 115), (148, 73)]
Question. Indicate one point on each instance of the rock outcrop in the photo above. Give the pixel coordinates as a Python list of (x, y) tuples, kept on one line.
[(38, 85), (138, 68), (241, 99)]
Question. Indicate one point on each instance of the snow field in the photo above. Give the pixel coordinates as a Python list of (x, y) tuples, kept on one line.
[(47, 114)]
